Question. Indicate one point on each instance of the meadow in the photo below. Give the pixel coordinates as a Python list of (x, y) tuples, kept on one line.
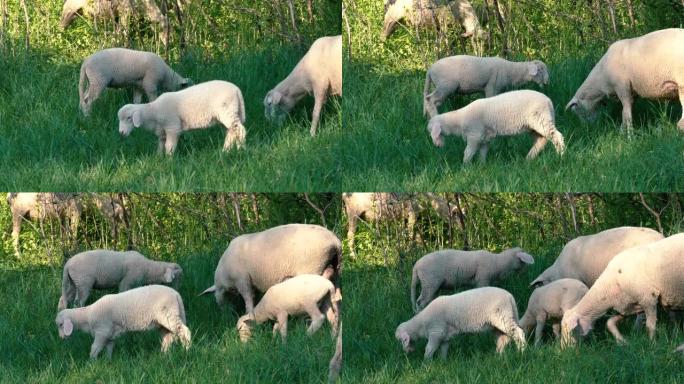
[(380, 300), (48, 145), (391, 148)]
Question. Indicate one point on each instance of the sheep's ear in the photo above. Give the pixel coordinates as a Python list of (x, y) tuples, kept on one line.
[(571, 104), (276, 97), (525, 257), (137, 118), (436, 134), (405, 339), (538, 282), (67, 327), (168, 275)]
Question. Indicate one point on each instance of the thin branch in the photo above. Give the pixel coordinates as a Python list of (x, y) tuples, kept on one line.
[(655, 214)]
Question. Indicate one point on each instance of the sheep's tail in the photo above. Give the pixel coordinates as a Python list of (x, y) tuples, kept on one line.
[(82, 93), (335, 304), (414, 283), (241, 102), (426, 89), (67, 286), (182, 330)]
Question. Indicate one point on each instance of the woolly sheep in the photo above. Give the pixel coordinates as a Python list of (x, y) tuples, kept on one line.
[(507, 114), (427, 13), (550, 303), (140, 309), (109, 269), (263, 259), (649, 66), (585, 257), (199, 106), (469, 74), (126, 68), (638, 279), (303, 294), (318, 72), (40, 206), (476, 310), (450, 268)]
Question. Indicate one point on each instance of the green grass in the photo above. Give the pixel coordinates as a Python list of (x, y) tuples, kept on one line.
[(380, 301), (31, 350), (48, 145)]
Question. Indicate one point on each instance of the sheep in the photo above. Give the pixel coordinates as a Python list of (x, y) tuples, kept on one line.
[(476, 310), (140, 309), (586, 257), (263, 259), (108, 269), (469, 74), (450, 268), (318, 72), (302, 294), (66, 207), (637, 280), (550, 302), (510, 113), (427, 13), (649, 66), (121, 68), (199, 106)]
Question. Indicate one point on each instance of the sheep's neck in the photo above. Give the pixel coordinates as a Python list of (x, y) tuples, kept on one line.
[(518, 73), (79, 316), (595, 303)]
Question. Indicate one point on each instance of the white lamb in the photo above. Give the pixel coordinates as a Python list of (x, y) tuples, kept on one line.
[(199, 106), (507, 114), (140, 309), (464, 74), (476, 310), (303, 294)]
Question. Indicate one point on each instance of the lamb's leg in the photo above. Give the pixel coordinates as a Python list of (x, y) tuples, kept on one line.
[(611, 324), (651, 312), (434, 100), (171, 142), (502, 341), (317, 319), (556, 330), (626, 99), (110, 349), (353, 219), (98, 344), (150, 87), (16, 228), (539, 144), (167, 340), (508, 326), (444, 349), (235, 136), (162, 143), (427, 293), (539, 330), (471, 150), (92, 94), (434, 342), (319, 99), (83, 293), (330, 315), (484, 148), (282, 321)]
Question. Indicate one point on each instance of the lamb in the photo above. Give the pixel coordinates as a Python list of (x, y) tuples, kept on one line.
[(469, 74), (126, 68), (550, 303), (199, 106), (108, 269), (507, 114), (140, 309), (476, 310), (302, 294), (263, 259), (427, 13), (638, 279), (649, 66), (586, 257), (451, 268), (318, 72)]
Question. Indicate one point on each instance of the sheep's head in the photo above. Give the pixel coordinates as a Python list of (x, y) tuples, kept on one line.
[(584, 105), (277, 105), (546, 277), (69, 11), (404, 338), (129, 117), (64, 325), (539, 73), (244, 327), (172, 274), (572, 324)]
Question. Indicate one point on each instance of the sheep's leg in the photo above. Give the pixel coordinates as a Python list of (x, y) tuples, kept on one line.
[(93, 93), (167, 340), (490, 89), (317, 319), (509, 329), (171, 142), (282, 320), (484, 149), (427, 293), (276, 328), (353, 219), (537, 147), (125, 285), (626, 99), (83, 293), (444, 349), (651, 312), (434, 342), (330, 315), (502, 341), (137, 96), (98, 344), (150, 87), (434, 100), (319, 100), (235, 135), (110, 349), (471, 150), (162, 143), (16, 229), (556, 330), (245, 290), (539, 330), (611, 324)]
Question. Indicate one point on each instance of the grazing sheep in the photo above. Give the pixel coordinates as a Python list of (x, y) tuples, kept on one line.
[(429, 13), (469, 74), (649, 66), (302, 294), (263, 259), (550, 303), (450, 268), (109, 269), (507, 114), (476, 310), (584, 258), (638, 279), (196, 107), (67, 207), (120, 68), (140, 309), (318, 72)]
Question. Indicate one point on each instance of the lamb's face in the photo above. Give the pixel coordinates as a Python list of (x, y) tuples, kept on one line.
[(69, 11), (126, 119), (64, 325), (244, 328), (403, 337)]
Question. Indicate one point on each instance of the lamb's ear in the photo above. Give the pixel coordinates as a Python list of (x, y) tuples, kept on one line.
[(67, 326), (137, 118), (405, 339), (169, 275), (436, 133), (525, 257)]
